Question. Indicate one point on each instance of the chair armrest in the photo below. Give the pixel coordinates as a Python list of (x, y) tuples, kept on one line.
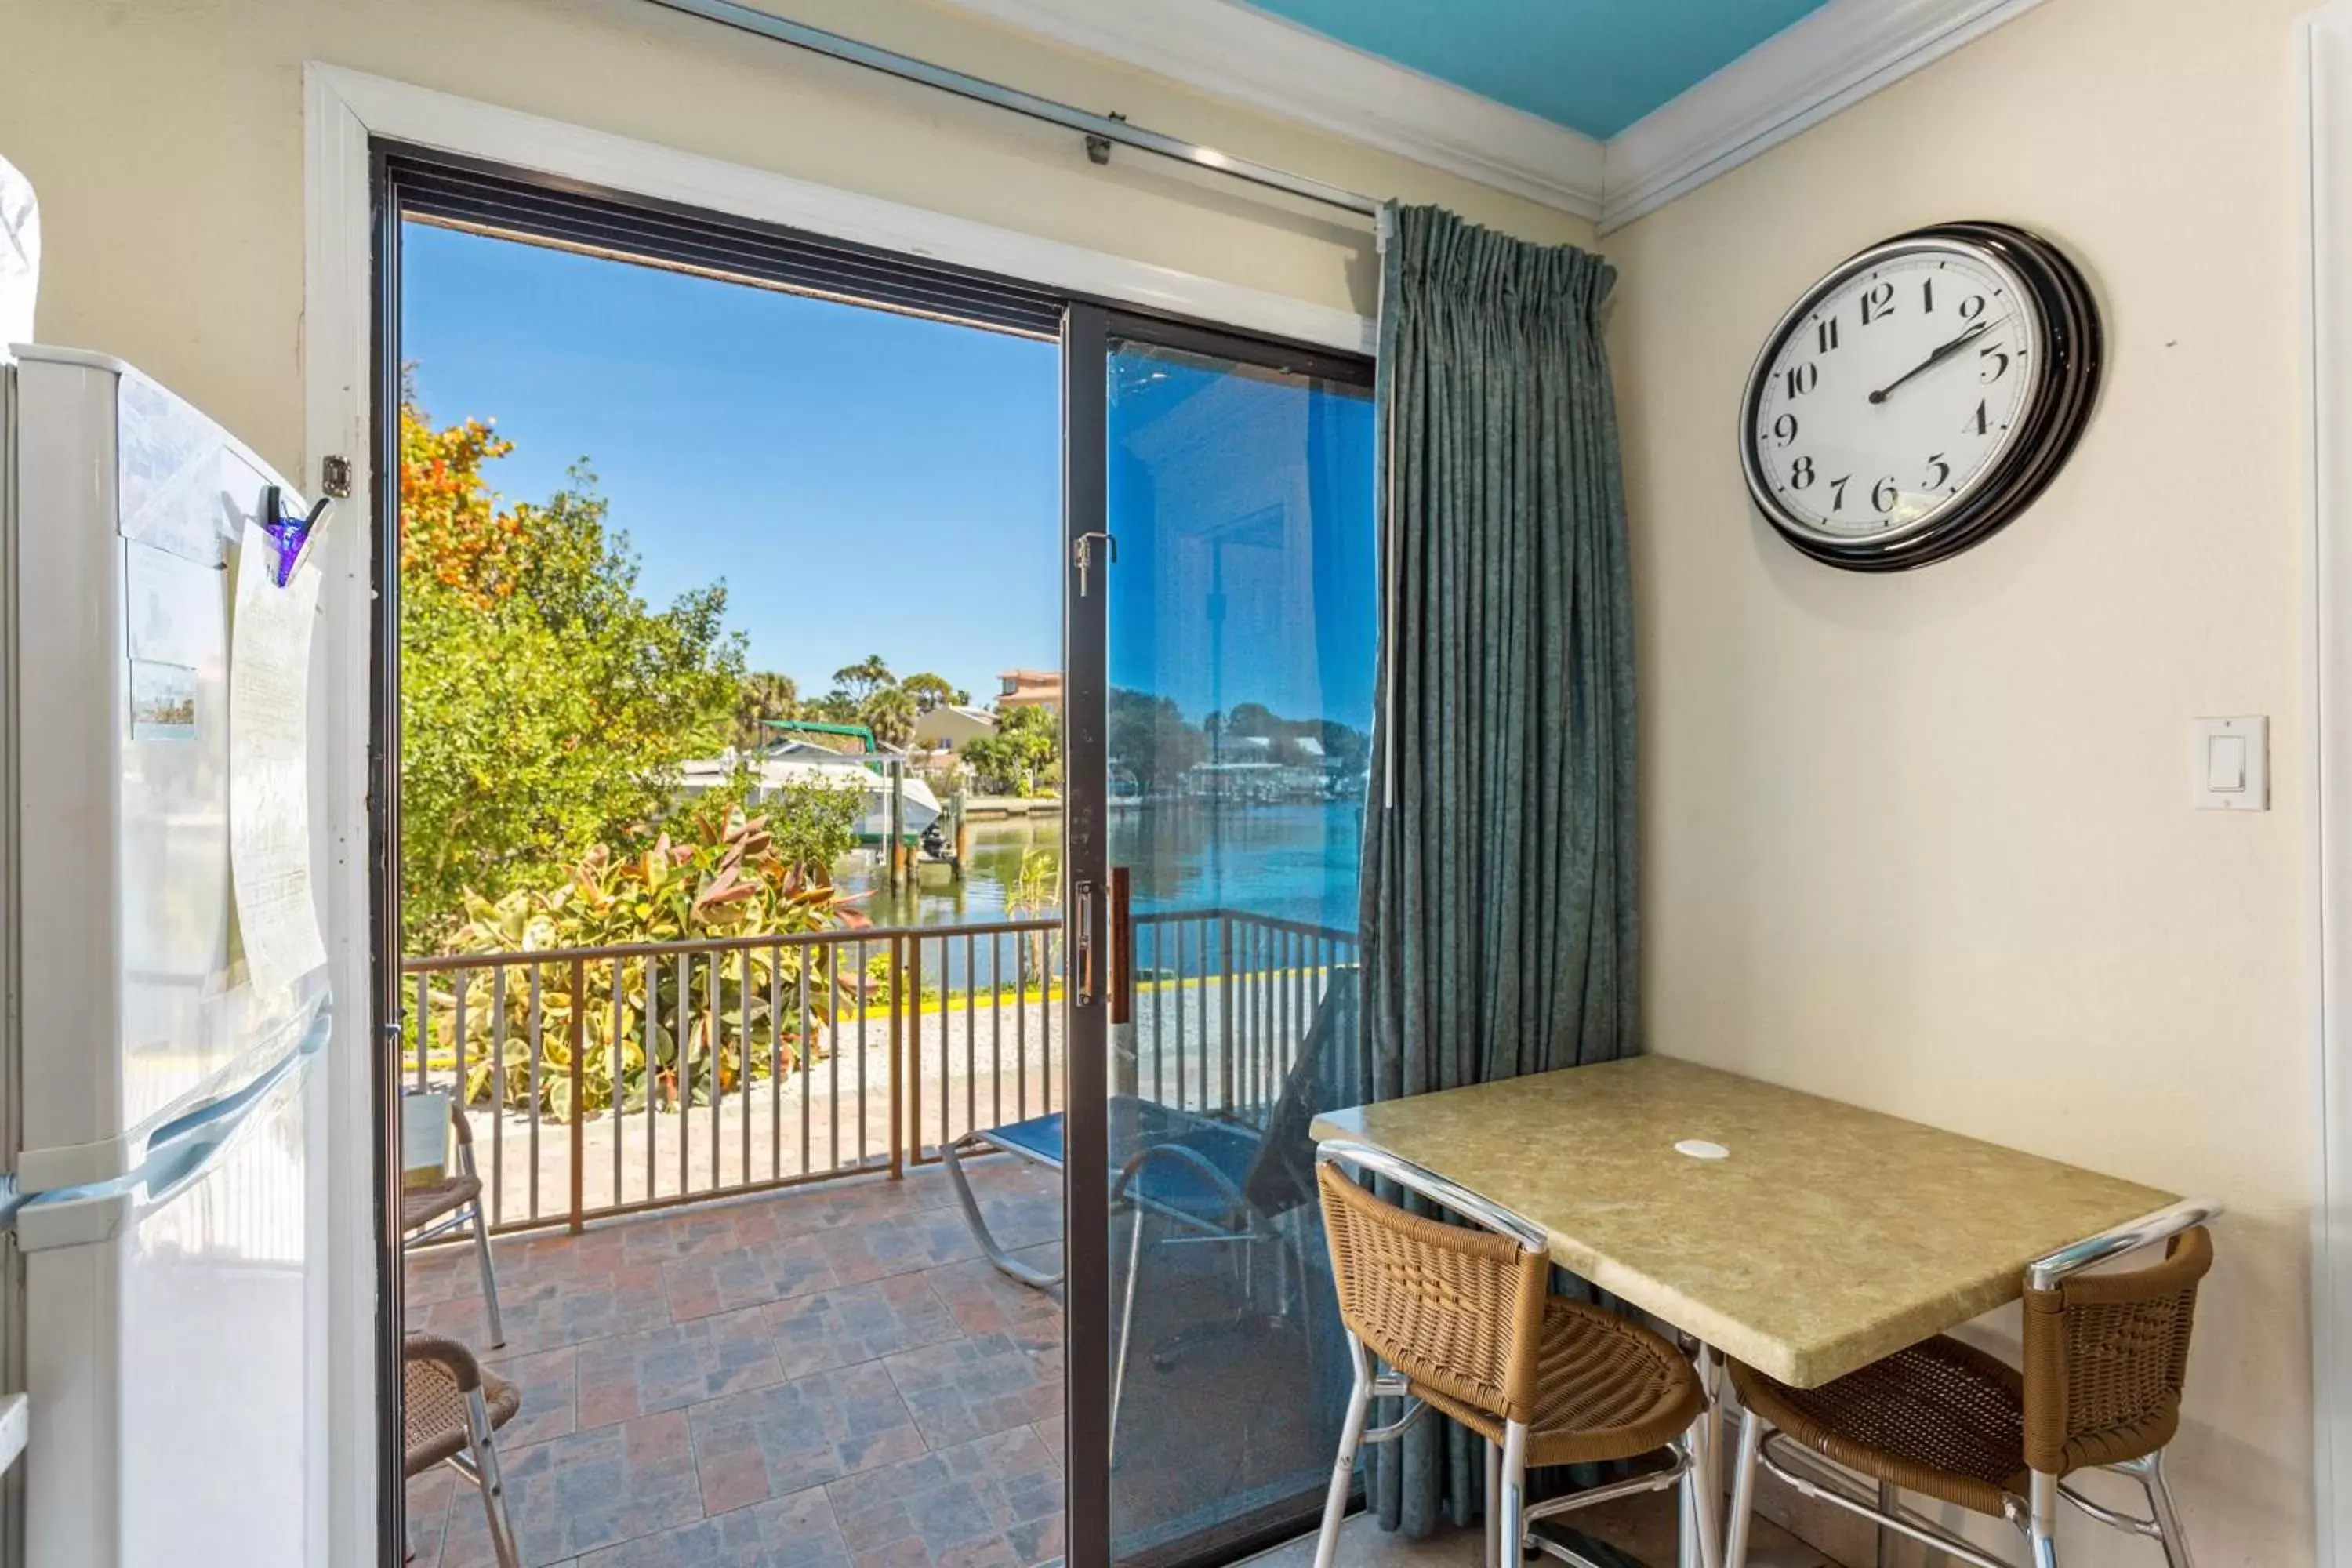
[(463, 1368)]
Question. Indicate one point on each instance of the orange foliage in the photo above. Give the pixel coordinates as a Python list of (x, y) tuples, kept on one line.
[(452, 529)]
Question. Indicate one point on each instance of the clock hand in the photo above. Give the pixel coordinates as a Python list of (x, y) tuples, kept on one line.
[(1933, 360)]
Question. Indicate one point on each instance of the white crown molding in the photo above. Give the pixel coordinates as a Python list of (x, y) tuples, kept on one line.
[(1265, 62), (1836, 57)]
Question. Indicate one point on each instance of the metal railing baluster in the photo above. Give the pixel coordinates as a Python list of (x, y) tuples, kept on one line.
[(970, 1030), (684, 1041), (776, 1063), (653, 1078), (743, 1057), (616, 1062), (497, 1091), (1268, 975), (1021, 1027), (457, 1032), (801, 1045), (996, 1026), (577, 1051), (717, 1089)]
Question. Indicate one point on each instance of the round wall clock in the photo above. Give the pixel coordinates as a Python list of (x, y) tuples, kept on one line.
[(1920, 396)]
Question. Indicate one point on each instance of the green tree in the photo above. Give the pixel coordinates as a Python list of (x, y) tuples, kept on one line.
[(861, 681), (545, 706), (1149, 738), (763, 698), (932, 691), (889, 713), (1023, 753)]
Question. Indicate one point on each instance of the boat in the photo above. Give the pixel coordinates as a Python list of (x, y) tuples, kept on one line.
[(870, 776)]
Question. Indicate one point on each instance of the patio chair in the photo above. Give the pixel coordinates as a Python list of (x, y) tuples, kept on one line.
[(450, 1409), (2105, 1356), (454, 1203), (1220, 1181)]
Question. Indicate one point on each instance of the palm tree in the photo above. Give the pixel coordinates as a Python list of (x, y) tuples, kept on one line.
[(889, 713), (764, 696)]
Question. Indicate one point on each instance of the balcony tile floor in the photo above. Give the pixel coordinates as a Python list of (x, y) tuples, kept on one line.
[(832, 1376)]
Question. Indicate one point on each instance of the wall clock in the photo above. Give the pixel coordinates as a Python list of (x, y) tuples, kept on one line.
[(1920, 396)]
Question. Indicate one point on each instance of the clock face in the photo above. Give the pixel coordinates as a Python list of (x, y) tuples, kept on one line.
[(1918, 395)]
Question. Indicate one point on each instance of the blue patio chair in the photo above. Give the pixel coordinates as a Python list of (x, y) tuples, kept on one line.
[(1215, 1178)]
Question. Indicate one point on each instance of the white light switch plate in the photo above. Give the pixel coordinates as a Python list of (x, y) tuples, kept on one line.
[(2229, 764)]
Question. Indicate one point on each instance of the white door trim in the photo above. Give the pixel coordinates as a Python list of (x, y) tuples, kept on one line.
[(343, 110), (2326, 50), (396, 110)]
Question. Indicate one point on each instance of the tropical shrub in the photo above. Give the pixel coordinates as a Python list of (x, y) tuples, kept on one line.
[(669, 1029)]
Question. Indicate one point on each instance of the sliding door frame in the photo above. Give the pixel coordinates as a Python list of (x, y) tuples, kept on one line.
[(350, 385), (1090, 333), (1086, 873)]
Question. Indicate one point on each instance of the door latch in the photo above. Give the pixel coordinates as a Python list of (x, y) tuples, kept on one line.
[(1082, 556)]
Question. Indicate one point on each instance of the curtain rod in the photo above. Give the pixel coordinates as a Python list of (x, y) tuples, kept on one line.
[(1093, 126)]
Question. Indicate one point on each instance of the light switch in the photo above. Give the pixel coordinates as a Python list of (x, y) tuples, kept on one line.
[(2229, 764), (2225, 764)]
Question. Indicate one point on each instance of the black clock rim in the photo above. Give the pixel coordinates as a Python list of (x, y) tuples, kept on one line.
[(2074, 359)]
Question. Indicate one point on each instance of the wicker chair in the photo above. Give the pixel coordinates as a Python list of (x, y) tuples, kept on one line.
[(1466, 1322), (454, 1203), (2105, 1355), (449, 1408)]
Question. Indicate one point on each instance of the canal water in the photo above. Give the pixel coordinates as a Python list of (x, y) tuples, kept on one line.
[(1294, 862)]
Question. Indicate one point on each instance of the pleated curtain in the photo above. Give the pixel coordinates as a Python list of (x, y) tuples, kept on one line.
[(1500, 917)]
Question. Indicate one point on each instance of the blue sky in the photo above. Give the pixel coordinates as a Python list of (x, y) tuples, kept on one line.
[(866, 482), (863, 482)]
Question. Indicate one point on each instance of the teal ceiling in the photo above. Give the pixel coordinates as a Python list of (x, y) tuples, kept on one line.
[(1594, 66)]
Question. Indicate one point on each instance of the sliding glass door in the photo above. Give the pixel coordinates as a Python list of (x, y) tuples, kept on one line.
[(1220, 662)]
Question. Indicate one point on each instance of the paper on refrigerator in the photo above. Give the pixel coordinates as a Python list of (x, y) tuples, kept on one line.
[(20, 255), (269, 771)]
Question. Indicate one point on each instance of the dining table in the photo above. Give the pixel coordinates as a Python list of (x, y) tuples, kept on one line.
[(1800, 1235)]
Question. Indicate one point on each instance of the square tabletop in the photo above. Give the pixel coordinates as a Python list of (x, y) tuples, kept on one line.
[(1827, 1237)]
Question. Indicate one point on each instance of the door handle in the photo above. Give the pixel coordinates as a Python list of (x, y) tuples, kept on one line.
[(1122, 949), (1082, 920)]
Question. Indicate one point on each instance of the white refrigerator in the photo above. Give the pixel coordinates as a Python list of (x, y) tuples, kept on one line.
[(168, 1010)]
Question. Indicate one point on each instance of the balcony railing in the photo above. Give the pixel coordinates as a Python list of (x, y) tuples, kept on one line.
[(610, 1080)]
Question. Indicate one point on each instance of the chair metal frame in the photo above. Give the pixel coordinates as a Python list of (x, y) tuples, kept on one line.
[(478, 1463), (1242, 1229), (2035, 1515), (1509, 1515), (468, 1213)]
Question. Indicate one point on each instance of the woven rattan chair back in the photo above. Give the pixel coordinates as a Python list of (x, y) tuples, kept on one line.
[(1455, 1310), (2105, 1355)]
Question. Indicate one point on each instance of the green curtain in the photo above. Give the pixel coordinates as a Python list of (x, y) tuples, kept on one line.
[(1499, 921)]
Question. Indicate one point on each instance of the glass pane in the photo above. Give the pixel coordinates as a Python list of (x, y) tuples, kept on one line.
[(1242, 628)]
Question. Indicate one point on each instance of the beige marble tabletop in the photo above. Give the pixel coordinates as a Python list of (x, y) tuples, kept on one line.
[(1829, 1237)]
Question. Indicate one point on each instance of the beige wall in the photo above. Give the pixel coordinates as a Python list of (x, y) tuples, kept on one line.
[(1924, 841), (165, 140)]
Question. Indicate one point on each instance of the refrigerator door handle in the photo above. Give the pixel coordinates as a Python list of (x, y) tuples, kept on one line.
[(315, 1031), (182, 1155)]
